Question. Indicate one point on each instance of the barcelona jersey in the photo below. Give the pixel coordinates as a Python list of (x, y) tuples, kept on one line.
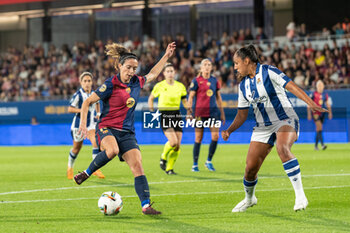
[(119, 102), (205, 100), (320, 99)]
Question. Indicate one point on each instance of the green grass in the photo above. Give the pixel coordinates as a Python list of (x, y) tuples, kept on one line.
[(191, 202)]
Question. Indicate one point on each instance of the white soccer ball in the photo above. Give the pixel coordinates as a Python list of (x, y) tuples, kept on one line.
[(110, 203)]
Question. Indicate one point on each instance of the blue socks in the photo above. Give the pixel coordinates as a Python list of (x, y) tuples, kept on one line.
[(319, 137), (100, 160), (212, 149), (142, 190), (196, 149), (95, 151)]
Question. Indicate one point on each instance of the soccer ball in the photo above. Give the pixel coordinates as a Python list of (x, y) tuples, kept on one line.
[(110, 203)]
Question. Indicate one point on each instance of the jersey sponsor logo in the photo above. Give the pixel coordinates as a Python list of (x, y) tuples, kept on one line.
[(104, 130), (130, 102), (103, 88), (210, 92), (128, 90)]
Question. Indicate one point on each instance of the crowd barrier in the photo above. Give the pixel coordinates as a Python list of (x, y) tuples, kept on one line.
[(54, 122)]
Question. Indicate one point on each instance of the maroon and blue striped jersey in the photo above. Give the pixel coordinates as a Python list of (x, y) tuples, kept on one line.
[(119, 102), (205, 99)]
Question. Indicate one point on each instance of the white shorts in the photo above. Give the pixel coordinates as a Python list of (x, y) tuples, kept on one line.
[(78, 137), (267, 134)]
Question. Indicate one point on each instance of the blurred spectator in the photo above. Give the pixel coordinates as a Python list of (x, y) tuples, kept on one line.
[(260, 35)]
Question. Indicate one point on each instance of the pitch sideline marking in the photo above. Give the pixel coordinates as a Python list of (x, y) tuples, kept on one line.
[(160, 182), (174, 194)]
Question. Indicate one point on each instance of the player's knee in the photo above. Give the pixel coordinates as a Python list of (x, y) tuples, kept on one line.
[(112, 152), (173, 143), (177, 147), (215, 137), (250, 173), (198, 138), (283, 150)]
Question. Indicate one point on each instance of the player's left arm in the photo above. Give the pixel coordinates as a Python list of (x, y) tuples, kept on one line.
[(98, 110), (298, 92), (219, 103), (155, 71), (329, 108)]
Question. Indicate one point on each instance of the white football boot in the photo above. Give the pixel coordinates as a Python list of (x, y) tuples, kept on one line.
[(244, 205), (300, 203)]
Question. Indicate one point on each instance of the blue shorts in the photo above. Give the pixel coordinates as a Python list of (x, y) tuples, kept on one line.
[(126, 139)]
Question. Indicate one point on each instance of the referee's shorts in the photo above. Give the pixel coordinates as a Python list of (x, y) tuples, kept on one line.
[(171, 120)]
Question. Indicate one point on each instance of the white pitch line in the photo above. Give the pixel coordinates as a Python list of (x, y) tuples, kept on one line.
[(174, 194), (161, 182)]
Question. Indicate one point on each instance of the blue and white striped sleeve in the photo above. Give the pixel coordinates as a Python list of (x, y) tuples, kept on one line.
[(74, 101), (278, 77), (243, 103)]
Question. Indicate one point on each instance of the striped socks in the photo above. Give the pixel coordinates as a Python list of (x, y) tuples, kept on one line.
[(292, 169), (71, 158)]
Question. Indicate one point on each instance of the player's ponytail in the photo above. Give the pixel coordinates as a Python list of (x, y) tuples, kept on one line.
[(119, 53), (248, 52)]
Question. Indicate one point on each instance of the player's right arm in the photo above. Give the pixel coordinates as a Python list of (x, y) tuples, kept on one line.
[(240, 118), (193, 91), (190, 102), (84, 111)]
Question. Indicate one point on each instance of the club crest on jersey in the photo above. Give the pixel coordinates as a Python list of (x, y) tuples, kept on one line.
[(128, 90), (210, 92), (103, 88), (258, 81), (192, 85), (130, 102), (104, 130), (208, 84)]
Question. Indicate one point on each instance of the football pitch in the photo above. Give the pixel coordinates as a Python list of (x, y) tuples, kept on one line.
[(35, 195)]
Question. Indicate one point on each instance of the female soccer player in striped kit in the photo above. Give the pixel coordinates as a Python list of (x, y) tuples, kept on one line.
[(115, 129), (205, 89), (75, 105), (321, 99), (170, 94), (263, 87)]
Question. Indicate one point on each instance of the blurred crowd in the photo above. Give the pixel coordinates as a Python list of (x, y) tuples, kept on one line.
[(33, 73)]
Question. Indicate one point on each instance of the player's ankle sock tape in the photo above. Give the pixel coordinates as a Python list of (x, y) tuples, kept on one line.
[(142, 189)]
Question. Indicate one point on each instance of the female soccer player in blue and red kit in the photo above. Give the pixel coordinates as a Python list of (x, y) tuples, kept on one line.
[(115, 130), (205, 89), (321, 99)]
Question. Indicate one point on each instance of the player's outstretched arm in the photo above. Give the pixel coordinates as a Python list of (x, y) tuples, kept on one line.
[(155, 71), (221, 108), (240, 118), (84, 111), (298, 92), (329, 108), (150, 102), (73, 110), (190, 102)]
